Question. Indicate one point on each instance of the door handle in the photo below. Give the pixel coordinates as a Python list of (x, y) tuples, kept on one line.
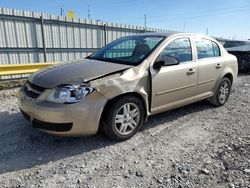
[(191, 71), (218, 66)]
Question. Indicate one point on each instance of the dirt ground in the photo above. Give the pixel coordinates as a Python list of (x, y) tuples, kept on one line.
[(193, 146)]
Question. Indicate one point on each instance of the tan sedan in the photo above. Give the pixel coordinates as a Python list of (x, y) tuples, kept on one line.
[(120, 85)]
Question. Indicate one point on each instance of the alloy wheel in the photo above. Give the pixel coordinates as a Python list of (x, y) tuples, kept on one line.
[(224, 92), (127, 119)]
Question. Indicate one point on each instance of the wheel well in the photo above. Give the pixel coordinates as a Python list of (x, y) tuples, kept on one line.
[(229, 76), (137, 95)]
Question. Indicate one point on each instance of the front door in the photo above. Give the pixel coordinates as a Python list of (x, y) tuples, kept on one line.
[(175, 84)]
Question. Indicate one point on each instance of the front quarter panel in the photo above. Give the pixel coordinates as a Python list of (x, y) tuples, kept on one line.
[(133, 80)]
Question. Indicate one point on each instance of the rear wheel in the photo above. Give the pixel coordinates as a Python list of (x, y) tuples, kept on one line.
[(222, 93), (123, 118)]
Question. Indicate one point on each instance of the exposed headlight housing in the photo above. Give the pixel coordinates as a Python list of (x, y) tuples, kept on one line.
[(69, 94)]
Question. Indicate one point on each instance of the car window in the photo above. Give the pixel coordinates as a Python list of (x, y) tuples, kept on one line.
[(206, 49), (179, 49)]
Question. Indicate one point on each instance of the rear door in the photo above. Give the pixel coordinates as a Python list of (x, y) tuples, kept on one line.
[(210, 65), (173, 85)]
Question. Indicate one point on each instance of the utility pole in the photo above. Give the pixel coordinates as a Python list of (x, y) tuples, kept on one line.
[(61, 10), (145, 22), (88, 12)]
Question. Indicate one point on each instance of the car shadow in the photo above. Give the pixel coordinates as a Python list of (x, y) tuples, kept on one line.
[(23, 147)]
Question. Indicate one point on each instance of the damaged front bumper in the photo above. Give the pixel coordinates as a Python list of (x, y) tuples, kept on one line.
[(82, 118)]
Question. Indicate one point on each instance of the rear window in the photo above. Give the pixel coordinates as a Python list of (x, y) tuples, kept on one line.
[(206, 49)]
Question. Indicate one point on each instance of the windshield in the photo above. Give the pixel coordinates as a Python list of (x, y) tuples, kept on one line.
[(131, 50)]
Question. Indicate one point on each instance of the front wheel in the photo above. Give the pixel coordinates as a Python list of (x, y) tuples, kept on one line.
[(222, 93), (123, 118)]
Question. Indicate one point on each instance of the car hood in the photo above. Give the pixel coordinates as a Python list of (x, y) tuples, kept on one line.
[(76, 72)]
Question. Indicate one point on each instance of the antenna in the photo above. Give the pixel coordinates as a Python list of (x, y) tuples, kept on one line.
[(88, 12)]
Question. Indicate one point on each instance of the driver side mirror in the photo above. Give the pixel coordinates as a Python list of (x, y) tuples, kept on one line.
[(165, 61)]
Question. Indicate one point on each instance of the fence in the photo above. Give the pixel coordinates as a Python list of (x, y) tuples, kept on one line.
[(34, 37)]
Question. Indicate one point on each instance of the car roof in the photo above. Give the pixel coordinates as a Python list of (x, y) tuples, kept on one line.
[(156, 34)]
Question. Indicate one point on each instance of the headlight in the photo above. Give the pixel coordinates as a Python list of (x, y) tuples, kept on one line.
[(69, 93)]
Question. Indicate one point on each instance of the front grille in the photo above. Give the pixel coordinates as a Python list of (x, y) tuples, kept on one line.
[(32, 90), (58, 127)]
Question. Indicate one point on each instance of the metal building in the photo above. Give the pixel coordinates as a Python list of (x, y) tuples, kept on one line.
[(27, 37)]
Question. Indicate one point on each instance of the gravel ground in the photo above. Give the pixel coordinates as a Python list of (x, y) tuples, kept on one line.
[(193, 146)]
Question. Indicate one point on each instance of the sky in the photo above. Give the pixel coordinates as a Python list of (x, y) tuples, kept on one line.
[(218, 18)]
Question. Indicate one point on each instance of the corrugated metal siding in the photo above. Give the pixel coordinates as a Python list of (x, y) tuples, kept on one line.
[(65, 39)]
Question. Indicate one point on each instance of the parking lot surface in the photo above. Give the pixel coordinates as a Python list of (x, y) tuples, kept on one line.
[(194, 146)]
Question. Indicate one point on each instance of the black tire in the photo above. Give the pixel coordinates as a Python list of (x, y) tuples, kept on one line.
[(109, 126), (215, 100)]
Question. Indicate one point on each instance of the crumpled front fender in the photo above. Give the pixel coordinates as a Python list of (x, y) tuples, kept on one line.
[(133, 80)]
